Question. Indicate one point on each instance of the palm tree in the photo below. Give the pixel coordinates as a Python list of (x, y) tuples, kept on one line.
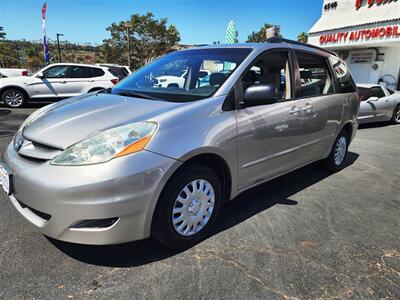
[(2, 33), (302, 37)]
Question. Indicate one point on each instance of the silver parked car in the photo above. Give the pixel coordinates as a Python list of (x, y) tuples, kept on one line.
[(138, 160), (378, 104)]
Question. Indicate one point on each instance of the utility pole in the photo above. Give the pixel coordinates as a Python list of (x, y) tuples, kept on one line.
[(127, 26), (58, 45)]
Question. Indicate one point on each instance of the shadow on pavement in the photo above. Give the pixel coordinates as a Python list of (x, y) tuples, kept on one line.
[(374, 125), (248, 204), (33, 104)]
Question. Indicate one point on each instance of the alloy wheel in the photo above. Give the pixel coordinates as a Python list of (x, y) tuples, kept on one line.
[(397, 116), (193, 207), (13, 98), (340, 150)]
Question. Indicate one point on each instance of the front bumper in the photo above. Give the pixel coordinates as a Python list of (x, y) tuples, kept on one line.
[(126, 188)]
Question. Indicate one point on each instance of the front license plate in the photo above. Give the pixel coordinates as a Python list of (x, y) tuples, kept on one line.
[(4, 179)]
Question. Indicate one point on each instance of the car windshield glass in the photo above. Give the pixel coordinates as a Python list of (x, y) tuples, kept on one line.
[(184, 76), (361, 91)]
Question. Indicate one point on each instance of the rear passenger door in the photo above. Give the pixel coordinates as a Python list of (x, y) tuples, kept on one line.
[(321, 108), (77, 80)]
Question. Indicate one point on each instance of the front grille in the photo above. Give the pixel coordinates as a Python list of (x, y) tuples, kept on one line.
[(39, 213), (37, 152)]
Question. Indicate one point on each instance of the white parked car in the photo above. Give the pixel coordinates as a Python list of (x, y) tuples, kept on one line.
[(12, 72), (60, 80), (176, 81), (378, 104)]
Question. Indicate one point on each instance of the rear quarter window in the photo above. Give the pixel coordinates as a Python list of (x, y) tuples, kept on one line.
[(343, 76), (96, 72)]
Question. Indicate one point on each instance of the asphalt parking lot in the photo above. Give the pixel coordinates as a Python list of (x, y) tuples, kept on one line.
[(307, 235)]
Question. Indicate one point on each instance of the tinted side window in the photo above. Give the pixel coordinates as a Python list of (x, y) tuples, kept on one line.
[(78, 72), (361, 92), (346, 82), (314, 74), (56, 72), (96, 72), (374, 92), (272, 69)]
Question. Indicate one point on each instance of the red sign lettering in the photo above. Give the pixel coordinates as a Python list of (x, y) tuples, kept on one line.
[(363, 34), (372, 2)]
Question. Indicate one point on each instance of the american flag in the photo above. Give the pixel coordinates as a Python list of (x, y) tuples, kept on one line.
[(46, 55)]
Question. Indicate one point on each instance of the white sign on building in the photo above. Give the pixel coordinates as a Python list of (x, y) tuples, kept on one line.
[(366, 33)]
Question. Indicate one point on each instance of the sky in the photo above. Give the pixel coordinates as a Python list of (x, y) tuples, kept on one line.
[(199, 22)]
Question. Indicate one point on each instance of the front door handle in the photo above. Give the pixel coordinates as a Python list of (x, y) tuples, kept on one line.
[(294, 111), (63, 81), (308, 108)]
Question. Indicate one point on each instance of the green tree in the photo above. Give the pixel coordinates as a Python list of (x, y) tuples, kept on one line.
[(149, 38), (302, 37), (261, 35), (2, 33)]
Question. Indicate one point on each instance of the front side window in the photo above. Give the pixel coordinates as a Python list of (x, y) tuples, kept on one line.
[(56, 72), (272, 69), (184, 75), (314, 75), (342, 73), (373, 92)]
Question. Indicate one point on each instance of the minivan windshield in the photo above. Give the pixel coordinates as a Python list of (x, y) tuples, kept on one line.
[(183, 76)]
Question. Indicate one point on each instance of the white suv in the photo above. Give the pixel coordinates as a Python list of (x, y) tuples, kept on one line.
[(55, 81)]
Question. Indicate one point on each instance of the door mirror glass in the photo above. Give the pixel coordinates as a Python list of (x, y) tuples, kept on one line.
[(260, 94), (40, 75)]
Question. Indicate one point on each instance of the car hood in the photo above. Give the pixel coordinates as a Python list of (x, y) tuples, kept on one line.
[(73, 120)]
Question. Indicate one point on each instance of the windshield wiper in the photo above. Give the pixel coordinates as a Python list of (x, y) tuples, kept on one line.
[(137, 95)]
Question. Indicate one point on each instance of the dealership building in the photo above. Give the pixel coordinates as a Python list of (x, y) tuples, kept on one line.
[(366, 34)]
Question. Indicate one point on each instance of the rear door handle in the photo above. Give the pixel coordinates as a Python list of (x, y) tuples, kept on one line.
[(63, 81), (90, 80)]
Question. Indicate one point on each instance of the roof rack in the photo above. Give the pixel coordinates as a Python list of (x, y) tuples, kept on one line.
[(275, 40)]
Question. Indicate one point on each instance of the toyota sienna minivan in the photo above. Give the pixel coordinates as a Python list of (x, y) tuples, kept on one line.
[(140, 160)]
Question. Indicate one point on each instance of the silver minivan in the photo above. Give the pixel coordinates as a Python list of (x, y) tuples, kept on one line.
[(141, 160)]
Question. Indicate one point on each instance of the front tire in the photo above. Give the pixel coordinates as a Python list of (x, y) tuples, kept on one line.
[(188, 207), (337, 158), (13, 98), (396, 115)]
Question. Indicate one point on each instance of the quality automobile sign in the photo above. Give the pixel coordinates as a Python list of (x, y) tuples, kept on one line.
[(361, 35), (372, 2)]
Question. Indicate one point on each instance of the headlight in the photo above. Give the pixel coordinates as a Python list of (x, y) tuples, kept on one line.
[(162, 80), (106, 145)]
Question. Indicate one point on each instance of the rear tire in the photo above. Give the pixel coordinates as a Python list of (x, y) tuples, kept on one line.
[(13, 98), (396, 115), (337, 158), (193, 196)]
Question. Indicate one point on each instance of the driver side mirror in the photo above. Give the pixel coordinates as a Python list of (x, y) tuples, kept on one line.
[(40, 75), (260, 94), (373, 99)]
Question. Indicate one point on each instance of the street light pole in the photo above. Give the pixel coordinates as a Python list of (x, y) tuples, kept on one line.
[(127, 26), (58, 45)]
